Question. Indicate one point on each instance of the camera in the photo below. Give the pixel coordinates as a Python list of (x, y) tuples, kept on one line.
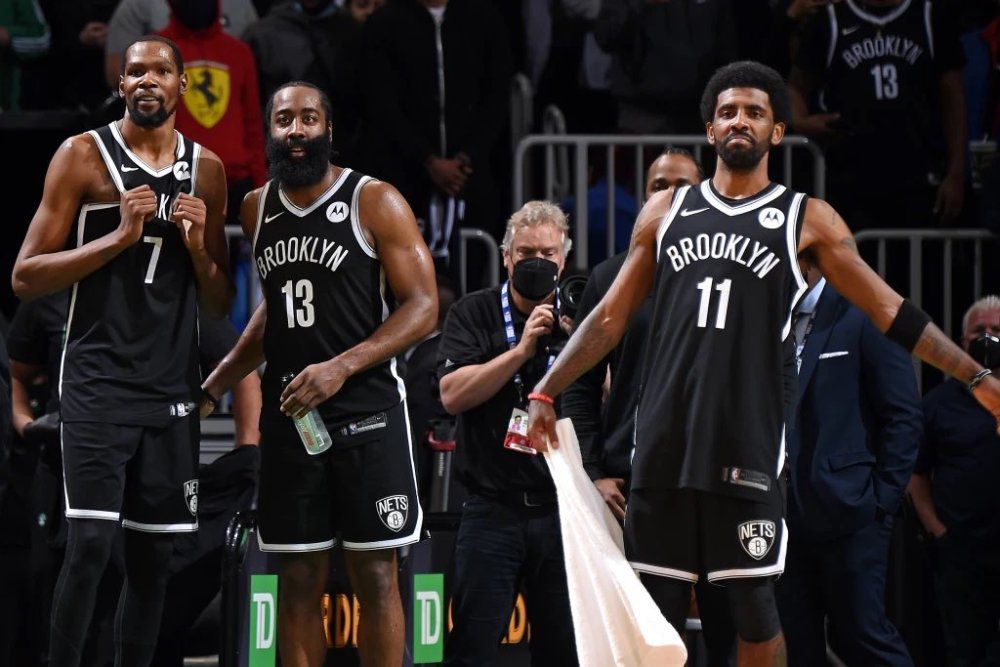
[(570, 290)]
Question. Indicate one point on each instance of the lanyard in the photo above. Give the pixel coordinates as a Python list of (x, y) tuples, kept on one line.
[(508, 324)]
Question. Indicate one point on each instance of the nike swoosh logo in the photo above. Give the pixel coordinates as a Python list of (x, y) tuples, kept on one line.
[(124, 168), (848, 31), (272, 217), (686, 212)]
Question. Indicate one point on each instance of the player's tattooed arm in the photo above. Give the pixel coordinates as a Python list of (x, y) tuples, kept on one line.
[(598, 334), (76, 175), (828, 242), (202, 222)]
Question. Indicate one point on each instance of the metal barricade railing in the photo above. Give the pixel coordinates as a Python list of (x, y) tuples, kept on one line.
[(492, 257), (522, 108), (912, 263), (557, 177), (581, 145)]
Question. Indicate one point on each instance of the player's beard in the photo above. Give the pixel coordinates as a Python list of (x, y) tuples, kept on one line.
[(742, 159), (304, 171), (149, 120)]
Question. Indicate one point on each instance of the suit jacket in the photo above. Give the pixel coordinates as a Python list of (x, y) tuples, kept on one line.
[(858, 425)]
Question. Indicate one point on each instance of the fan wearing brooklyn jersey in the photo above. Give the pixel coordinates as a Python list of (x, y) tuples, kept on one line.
[(131, 220), (720, 261), (348, 286)]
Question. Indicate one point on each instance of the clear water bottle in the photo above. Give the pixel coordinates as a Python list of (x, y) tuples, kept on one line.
[(311, 428)]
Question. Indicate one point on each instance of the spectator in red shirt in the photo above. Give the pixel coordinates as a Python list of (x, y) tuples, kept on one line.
[(221, 108)]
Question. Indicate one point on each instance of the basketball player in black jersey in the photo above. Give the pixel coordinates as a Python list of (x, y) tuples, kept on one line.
[(131, 219), (333, 249), (721, 261)]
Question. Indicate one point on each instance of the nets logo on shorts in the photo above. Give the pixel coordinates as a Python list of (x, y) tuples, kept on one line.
[(191, 496), (392, 510), (756, 537)]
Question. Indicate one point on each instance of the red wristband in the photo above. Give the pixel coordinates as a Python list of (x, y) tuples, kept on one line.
[(544, 398)]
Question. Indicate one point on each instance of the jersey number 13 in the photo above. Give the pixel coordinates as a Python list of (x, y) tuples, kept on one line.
[(302, 313)]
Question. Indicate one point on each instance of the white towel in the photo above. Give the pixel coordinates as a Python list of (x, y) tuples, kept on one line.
[(615, 620)]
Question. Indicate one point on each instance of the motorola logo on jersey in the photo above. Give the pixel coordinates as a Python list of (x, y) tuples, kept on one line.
[(392, 510), (771, 218), (182, 170), (337, 211), (756, 537)]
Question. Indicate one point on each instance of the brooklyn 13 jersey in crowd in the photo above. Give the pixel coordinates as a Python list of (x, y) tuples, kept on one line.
[(131, 351), (711, 413), (326, 292)]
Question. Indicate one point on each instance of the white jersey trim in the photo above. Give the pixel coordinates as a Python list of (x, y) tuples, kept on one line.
[(400, 385), (832, 13), (747, 572), (178, 152), (294, 548), (195, 158), (359, 234), (160, 527), (665, 223), (878, 20), (260, 213), (81, 223), (750, 204), (303, 212), (111, 166), (661, 571), (928, 24), (791, 224)]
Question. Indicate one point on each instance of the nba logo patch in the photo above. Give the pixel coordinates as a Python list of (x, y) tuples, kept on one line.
[(337, 211), (392, 510), (191, 496), (771, 218), (756, 537)]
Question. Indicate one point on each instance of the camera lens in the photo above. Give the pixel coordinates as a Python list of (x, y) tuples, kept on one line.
[(570, 292)]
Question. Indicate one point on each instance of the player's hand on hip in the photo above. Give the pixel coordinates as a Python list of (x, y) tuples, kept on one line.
[(611, 490), (136, 207), (539, 324), (315, 384), (988, 395), (189, 215), (950, 197), (542, 426)]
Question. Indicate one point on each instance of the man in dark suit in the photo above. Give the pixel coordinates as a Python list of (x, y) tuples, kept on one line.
[(852, 447)]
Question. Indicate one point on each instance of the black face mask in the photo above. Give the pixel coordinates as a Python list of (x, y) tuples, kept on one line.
[(196, 14), (535, 278), (986, 350)]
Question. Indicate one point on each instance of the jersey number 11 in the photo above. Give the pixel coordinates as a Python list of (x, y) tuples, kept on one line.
[(705, 287)]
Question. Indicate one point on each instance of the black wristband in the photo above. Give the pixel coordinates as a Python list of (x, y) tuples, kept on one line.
[(211, 399), (908, 326)]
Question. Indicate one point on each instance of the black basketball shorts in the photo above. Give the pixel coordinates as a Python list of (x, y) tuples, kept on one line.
[(685, 534), (144, 476), (363, 489)]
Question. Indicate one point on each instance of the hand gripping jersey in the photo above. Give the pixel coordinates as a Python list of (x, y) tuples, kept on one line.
[(131, 350), (711, 413)]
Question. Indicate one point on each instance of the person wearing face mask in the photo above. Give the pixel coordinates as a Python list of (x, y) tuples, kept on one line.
[(953, 490), (221, 109), (496, 344)]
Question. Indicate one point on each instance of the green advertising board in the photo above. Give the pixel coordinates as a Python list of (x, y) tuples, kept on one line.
[(428, 618), (263, 620)]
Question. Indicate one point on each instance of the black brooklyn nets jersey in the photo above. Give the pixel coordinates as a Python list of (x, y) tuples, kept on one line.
[(711, 414), (326, 292), (131, 335)]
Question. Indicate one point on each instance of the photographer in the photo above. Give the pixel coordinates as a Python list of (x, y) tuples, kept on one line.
[(496, 344)]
